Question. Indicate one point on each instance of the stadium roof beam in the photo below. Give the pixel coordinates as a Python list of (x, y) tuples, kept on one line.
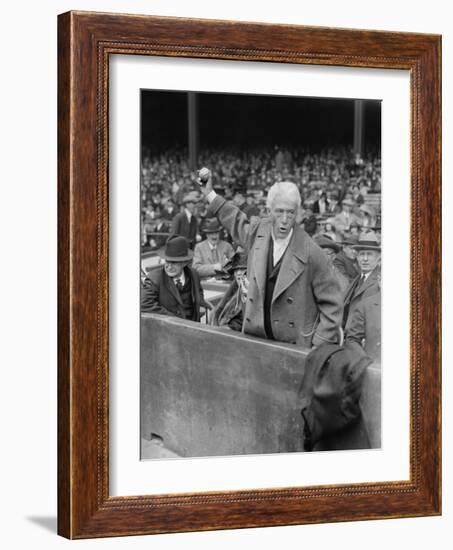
[(192, 114)]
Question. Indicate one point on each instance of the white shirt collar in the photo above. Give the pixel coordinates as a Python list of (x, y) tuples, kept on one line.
[(280, 245), (188, 214), (212, 246)]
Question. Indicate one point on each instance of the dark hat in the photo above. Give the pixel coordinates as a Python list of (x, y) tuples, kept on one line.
[(237, 261), (349, 240), (368, 241), (324, 241), (176, 249), (212, 226)]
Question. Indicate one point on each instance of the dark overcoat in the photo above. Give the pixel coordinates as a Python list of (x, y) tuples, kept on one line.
[(182, 227), (160, 295), (355, 295), (364, 326), (306, 306)]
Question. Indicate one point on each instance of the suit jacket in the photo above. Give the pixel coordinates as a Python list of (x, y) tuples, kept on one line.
[(182, 227), (364, 326), (306, 307), (160, 295), (355, 295), (202, 258)]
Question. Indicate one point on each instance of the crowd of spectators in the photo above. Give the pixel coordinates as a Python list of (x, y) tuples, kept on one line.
[(326, 180)]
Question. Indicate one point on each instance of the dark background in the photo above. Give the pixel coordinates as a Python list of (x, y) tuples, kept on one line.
[(235, 120)]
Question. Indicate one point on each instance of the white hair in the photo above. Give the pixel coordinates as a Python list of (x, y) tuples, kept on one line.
[(286, 189)]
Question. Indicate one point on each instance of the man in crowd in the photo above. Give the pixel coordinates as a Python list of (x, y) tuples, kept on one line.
[(174, 289), (367, 283), (346, 260), (211, 254), (346, 217), (293, 295), (185, 224)]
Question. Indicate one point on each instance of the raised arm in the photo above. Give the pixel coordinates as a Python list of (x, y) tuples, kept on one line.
[(228, 214)]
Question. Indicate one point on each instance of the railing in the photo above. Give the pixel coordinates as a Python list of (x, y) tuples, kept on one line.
[(208, 391)]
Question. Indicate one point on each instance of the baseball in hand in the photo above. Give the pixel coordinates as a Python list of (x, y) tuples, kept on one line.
[(204, 175)]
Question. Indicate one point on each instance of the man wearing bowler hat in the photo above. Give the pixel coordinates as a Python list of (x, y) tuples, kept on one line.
[(211, 254), (174, 288), (185, 223), (368, 282)]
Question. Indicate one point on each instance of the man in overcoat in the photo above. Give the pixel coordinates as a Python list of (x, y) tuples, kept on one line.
[(174, 289), (368, 282), (293, 295), (185, 223)]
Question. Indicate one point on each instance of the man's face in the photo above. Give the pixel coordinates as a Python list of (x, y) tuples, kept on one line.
[(350, 252), (213, 238), (190, 207), (174, 269), (283, 213), (368, 260), (347, 208)]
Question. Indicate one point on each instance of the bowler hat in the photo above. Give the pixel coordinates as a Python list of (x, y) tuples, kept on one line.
[(368, 241), (212, 226), (176, 249)]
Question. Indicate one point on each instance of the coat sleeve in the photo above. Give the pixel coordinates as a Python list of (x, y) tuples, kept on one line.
[(150, 299), (356, 329), (233, 220), (328, 297), (202, 268)]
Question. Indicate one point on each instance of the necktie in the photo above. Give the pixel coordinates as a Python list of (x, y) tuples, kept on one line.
[(178, 283), (215, 256)]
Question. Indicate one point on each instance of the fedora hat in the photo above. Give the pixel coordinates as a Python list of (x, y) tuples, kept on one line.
[(212, 226), (191, 197), (176, 250), (349, 240), (348, 202), (368, 241)]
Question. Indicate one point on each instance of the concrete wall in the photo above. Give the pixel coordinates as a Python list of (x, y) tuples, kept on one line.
[(209, 391)]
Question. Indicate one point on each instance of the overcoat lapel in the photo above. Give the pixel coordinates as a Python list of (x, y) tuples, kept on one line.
[(260, 252), (371, 280), (293, 263)]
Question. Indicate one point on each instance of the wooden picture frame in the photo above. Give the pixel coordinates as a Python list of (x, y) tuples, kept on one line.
[(85, 41)]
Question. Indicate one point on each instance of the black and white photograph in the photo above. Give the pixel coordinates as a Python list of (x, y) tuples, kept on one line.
[(260, 274)]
